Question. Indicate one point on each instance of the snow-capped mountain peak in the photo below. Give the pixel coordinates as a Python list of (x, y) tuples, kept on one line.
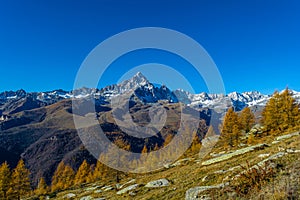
[(136, 81), (139, 79), (145, 92)]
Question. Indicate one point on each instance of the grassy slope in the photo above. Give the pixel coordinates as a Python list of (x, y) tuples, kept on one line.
[(191, 174)]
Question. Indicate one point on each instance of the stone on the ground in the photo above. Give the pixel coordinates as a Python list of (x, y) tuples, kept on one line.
[(283, 137), (233, 154), (273, 157), (217, 154), (120, 186), (292, 151), (204, 178), (92, 188), (70, 195), (86, 198), (128, 189), (167, 166), (107, 188), (275, 142), (264, 155), (158, 183), (132, 193), (195, 193)]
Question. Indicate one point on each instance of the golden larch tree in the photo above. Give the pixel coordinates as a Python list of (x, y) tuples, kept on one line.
[(280, 113), (83, 173), (5, 179), (68, 176), (246, 119), (42, 187), (230, 128), (100, 171), (21, 181), (63, 177), (57, 183)]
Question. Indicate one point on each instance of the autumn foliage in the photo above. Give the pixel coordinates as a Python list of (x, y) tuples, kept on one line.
[(280, 113), (235, 124), (14, 184), (63, 177)]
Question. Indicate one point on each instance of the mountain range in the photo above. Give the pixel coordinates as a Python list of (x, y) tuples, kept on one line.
[(39, 128), (15, 101)]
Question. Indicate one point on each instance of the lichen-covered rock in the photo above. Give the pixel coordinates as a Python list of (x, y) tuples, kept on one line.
[(92, 188), (204, 178), (264, 155), (233, 154), (273, 157), (120, 186), (283, 137), (158, 183), (86, 198), (107, 188), (275, 142), (195, 193), (128, 189), (292, 151), (70, 196)]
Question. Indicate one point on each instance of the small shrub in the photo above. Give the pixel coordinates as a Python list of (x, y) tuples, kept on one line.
[(253, 178)]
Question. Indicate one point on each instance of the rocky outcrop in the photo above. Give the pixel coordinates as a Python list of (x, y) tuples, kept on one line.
[(233, 154), (106, 188), (283, 137), (128, 189), (70, 196), (197, 193), (120, 186), (158, 183), (86, 198)]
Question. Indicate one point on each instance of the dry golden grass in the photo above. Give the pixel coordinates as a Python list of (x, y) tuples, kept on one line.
[(263, 185)]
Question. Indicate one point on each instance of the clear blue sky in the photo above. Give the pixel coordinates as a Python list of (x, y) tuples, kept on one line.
[(254, 43)]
